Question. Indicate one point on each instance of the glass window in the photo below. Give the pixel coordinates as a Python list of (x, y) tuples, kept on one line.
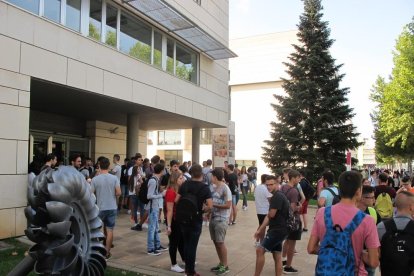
[(135, 38), (29, 5), (186, 64), (111, 21), (95, 19), (52, 10), (73, 14), (169, 137), (157, 49), (170, 56)]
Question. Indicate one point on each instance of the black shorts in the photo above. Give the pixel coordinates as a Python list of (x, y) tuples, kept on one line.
[(272, 242)]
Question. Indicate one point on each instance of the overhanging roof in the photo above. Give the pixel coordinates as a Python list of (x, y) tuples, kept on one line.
[(175, 22)]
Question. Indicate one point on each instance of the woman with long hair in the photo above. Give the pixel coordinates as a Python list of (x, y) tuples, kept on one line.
[(244, 185), (173, 228)]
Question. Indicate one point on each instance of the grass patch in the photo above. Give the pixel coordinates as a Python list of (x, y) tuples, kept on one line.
[(11, 257)]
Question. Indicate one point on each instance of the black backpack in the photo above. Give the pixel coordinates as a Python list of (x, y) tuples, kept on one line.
[(336, 198), (307, 188), (143, 191), (397, 249), (187, 210)]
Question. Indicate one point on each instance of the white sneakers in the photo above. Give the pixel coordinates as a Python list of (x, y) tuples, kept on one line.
[(177, 268)]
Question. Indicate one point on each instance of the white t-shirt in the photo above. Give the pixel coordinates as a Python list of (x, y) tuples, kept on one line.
[(116, 170), (220, 195), (261, 199)]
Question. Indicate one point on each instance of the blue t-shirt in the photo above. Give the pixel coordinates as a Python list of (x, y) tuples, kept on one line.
[(328, 195)]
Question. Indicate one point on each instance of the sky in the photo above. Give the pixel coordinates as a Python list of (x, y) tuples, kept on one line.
[(365, 34)]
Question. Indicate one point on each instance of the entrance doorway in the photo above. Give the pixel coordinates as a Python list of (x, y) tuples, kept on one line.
[(61, 145)]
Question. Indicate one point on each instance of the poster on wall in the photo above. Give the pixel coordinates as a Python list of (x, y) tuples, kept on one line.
[(223, 145)]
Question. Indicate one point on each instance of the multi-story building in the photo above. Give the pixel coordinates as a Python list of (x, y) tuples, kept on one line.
[(256, 75), (93, 76)]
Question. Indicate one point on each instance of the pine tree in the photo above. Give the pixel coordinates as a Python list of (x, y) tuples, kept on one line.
[(314, 128)]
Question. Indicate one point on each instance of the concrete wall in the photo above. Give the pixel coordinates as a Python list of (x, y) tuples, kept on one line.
[(52, 52), (31, 46), (14, 135)]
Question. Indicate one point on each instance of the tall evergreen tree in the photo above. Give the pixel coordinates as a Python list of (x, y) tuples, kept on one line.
[(314, 128)]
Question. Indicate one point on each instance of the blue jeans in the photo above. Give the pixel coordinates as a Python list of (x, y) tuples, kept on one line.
[(153, 239), (192, 234)]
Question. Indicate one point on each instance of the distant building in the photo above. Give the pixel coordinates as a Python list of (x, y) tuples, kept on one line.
[(255, 76)]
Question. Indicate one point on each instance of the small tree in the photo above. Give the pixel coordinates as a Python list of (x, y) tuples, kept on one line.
[(314, 128)]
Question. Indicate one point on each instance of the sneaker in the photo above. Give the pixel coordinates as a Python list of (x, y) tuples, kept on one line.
[(137, 227), (177, 268), (290, 270), (145, 226), (216, 268), (284, 262), (223, 270), (161, 248), (305, 230), (153, 252), (108, 256)]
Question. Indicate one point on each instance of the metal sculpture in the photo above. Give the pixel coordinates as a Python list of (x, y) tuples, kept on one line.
[(63, 222)]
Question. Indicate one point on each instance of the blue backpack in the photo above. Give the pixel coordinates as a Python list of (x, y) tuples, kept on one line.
[(336, 254)]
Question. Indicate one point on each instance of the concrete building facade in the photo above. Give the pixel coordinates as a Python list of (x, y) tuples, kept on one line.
[(93, 76), (255, 77)]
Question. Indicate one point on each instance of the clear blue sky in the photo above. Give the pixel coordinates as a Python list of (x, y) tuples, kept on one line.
[(365, 32)]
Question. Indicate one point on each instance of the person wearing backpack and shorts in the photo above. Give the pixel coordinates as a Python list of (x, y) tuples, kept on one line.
[(292, 194), (276, 219), (397, 238), (358, 230), (190, 191), (328, 194), (384, 196)]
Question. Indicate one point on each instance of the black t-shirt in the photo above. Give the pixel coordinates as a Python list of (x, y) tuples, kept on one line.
[(232, 179), (201, 190), (278, 222)]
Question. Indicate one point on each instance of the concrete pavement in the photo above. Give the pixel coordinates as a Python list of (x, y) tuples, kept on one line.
[(130, 249)]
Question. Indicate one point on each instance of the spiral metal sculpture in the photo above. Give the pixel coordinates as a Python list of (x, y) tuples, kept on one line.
[(64, 224)]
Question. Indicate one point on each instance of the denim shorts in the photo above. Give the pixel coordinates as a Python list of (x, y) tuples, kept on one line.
[(108, 218), (272, 242), (234, 199)]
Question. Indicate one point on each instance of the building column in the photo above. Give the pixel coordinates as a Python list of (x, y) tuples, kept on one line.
[(132, 134), (195, 150)]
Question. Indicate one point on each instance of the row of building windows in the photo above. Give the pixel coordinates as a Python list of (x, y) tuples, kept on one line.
[(117, 28), (173, 137)]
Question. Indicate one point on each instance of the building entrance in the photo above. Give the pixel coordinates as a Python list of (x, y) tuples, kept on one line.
[(61, 145)]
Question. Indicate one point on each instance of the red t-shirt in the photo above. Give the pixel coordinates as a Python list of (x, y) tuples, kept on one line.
[(170, 197), (365, 234)]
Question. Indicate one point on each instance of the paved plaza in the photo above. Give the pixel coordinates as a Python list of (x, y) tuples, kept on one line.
[(130, 249)]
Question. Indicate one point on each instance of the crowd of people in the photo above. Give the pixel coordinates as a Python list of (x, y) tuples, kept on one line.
[(355, 218)]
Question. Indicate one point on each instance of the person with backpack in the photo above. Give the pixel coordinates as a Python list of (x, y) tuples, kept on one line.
[(397, 238), (193, 198), (173, 227), (295, 232), (366, 205), (309, 192), (384, 196), (341, 231), (154, 196), (276, 218), (330, 194)]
